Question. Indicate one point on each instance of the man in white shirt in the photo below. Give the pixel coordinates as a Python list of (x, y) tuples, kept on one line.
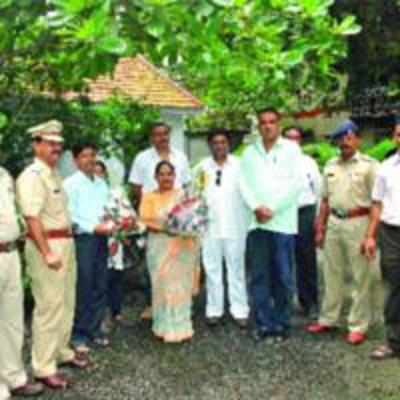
[(226, 234), (142, 175), (385, 214), (305, 249)]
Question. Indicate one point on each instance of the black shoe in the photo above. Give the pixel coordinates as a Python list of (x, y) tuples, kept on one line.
[(313, 312), (242, 323), (309, 312), (278, 335), (261, 334), (282, 336), (213, 321)]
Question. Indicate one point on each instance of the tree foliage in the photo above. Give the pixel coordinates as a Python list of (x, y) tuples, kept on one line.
[(56, 44), (237, 53), (374, 53), (117, 127), (241, 54)]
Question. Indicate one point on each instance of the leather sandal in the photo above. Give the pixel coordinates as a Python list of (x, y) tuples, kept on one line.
[(383, 352)]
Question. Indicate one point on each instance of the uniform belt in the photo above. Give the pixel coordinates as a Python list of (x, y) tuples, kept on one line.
[(341, 213), (55, 234), (8, 247)]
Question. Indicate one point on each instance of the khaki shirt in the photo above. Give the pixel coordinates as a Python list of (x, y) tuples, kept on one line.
[(9, 227), (348, 184), (40, 194)]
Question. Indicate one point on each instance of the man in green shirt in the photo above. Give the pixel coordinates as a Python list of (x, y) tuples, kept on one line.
[(270, 183)]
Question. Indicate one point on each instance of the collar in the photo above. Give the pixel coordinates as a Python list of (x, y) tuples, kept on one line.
[(260, 145), (96, 180), (228, 162), (356, 157), (44, 167), (154, 152)]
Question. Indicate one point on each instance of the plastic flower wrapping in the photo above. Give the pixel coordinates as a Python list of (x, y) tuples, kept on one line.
[(120, 213), (189, 216)]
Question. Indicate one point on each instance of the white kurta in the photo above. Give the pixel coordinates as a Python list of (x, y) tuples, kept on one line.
[(225, 238)]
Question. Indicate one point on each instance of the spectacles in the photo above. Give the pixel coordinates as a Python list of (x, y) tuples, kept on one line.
[(219, 177)]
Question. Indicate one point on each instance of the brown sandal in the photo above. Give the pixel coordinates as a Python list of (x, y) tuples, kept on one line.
[(383, 352)]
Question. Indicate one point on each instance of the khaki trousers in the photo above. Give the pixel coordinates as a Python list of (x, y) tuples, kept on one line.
[(54, 295), (12, 372), (342, 260)]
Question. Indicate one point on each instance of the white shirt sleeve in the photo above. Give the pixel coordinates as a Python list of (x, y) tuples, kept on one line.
[(136, 175), (186, 175), (379, 189)]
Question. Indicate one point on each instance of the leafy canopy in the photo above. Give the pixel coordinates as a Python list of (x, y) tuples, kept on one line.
[(241, 54), (235, 53)]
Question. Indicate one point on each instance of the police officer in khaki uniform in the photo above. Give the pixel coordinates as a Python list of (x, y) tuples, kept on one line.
[(13, 378), (50, 256), (344, 215)]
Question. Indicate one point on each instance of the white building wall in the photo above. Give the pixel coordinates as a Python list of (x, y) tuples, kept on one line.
[(176, 119)]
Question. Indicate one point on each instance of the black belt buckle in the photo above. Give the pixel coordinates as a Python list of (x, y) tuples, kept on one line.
[(340, 213)]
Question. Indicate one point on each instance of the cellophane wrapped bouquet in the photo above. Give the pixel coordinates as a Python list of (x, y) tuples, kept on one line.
[(189, 216), (120, 213)]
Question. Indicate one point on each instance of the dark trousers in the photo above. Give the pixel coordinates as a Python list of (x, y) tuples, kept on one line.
[(115, 291), (147, 286), (269, 259), (306, 259), (91, 294), (389, 240)]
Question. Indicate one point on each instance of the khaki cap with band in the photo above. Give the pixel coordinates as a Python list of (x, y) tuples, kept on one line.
[(50, 131)]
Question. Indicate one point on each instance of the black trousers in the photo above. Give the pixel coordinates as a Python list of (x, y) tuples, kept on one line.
[(306, 259), (115, 291), (389, 240), (91, 291)]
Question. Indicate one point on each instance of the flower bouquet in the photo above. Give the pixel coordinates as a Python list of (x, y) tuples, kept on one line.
[(123, 218), (189, 216)]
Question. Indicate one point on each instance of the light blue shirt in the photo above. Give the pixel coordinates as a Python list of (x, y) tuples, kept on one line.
[(272, 179), (87, 199)]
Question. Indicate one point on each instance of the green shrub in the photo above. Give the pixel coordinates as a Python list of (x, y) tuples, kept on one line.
[(381, 150)]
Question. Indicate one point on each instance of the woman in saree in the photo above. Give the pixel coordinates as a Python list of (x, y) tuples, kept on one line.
[(171, 261)]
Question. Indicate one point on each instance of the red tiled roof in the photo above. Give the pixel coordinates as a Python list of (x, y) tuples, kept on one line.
[(137, 78)]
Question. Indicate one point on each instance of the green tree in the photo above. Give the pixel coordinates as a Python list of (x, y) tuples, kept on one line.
[(236, 54), (241, 54), (55, 44), (374, 54), (118, 126)]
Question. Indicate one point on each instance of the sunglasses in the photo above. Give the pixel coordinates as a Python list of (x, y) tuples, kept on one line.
[(219, 177)]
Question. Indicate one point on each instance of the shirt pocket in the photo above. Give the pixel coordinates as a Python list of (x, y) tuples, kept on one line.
[(358, 177), (332, 180), (57, 199)]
